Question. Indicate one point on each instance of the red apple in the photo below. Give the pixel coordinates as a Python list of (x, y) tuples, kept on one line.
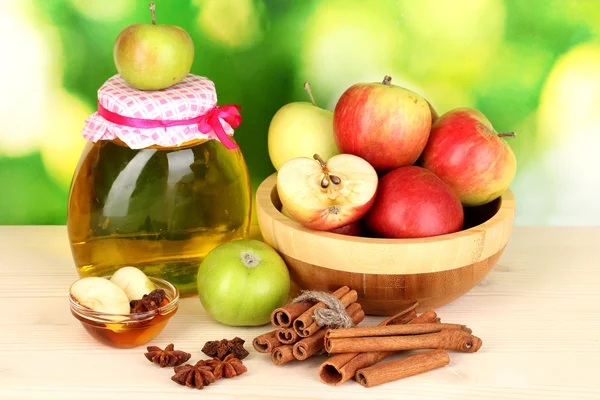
[(326, 196), (412, 202), (385, 124), (352, 229), (467, 153)]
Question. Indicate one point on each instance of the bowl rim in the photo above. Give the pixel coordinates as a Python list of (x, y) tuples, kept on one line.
[(129, 318), (281, 223)]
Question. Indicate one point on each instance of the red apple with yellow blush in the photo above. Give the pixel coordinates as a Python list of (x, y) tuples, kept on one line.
[(385, 124), (467, 153)]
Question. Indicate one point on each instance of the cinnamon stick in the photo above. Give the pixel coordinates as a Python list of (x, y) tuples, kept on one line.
[(283, 317), (304, 320), (406, 315), (266, 342), (456, 340), (287, 336), (341, 367), (391, 330), (346, 300), (403, 319), (283, 354), (428, 316), (394, 370), (311, 345)]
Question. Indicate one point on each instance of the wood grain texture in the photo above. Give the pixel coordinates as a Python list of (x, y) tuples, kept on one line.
[(388, 274), (381, 256), (524, 310)]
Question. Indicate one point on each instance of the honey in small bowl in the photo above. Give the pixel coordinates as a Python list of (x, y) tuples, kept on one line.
[(128, 330)]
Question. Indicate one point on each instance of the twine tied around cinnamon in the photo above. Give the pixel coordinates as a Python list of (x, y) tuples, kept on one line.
[(333, 316)]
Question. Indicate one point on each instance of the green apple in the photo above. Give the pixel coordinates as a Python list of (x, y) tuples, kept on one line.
[(241, 282), (133, 281), (153, 56), (301, 129)]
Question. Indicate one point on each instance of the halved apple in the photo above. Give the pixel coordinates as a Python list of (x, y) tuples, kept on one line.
[(326, 196)]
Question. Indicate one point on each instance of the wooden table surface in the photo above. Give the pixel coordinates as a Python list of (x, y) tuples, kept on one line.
[(537, 312)]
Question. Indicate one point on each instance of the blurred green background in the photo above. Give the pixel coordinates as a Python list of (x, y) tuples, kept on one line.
[(531, 66)]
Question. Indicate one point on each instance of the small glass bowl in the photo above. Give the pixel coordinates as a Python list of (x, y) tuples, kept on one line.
[(128, 330)]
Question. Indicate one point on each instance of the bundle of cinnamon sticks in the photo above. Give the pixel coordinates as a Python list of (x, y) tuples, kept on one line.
[(296, 335), (357, 351)]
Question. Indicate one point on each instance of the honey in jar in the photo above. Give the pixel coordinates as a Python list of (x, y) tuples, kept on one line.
[(157, 198)]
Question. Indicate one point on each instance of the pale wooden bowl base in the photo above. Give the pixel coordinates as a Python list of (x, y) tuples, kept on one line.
[(393, 292)]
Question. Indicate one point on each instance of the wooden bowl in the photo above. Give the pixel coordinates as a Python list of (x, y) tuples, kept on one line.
[(388, 273)]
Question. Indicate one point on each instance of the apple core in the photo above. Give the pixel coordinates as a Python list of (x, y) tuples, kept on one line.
[(334, 209)]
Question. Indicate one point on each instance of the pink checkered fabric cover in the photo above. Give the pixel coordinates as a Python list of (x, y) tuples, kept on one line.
[(193, 96)]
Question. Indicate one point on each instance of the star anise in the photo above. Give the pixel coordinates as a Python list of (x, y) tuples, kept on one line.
[(222, 348), (168, 357), (194, 376), (148, 302), (229, 367)]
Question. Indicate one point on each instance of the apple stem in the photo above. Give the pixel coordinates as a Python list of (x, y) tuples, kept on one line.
[(320, 160), (152, 10), (307, 88), (328, 177), (507, 134), (387, 80)]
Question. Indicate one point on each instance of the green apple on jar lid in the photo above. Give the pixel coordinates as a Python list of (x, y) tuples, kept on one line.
[(153, 56)]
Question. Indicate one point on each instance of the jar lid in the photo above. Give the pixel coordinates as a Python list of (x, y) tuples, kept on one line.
[(183, 112)]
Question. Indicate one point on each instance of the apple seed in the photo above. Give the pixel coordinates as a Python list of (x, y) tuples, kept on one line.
[(328, 177)]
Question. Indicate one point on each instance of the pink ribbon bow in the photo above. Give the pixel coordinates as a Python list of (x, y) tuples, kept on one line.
[(206, 122)]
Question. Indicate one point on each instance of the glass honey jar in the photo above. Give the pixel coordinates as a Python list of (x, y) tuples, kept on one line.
[(159, 184)]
